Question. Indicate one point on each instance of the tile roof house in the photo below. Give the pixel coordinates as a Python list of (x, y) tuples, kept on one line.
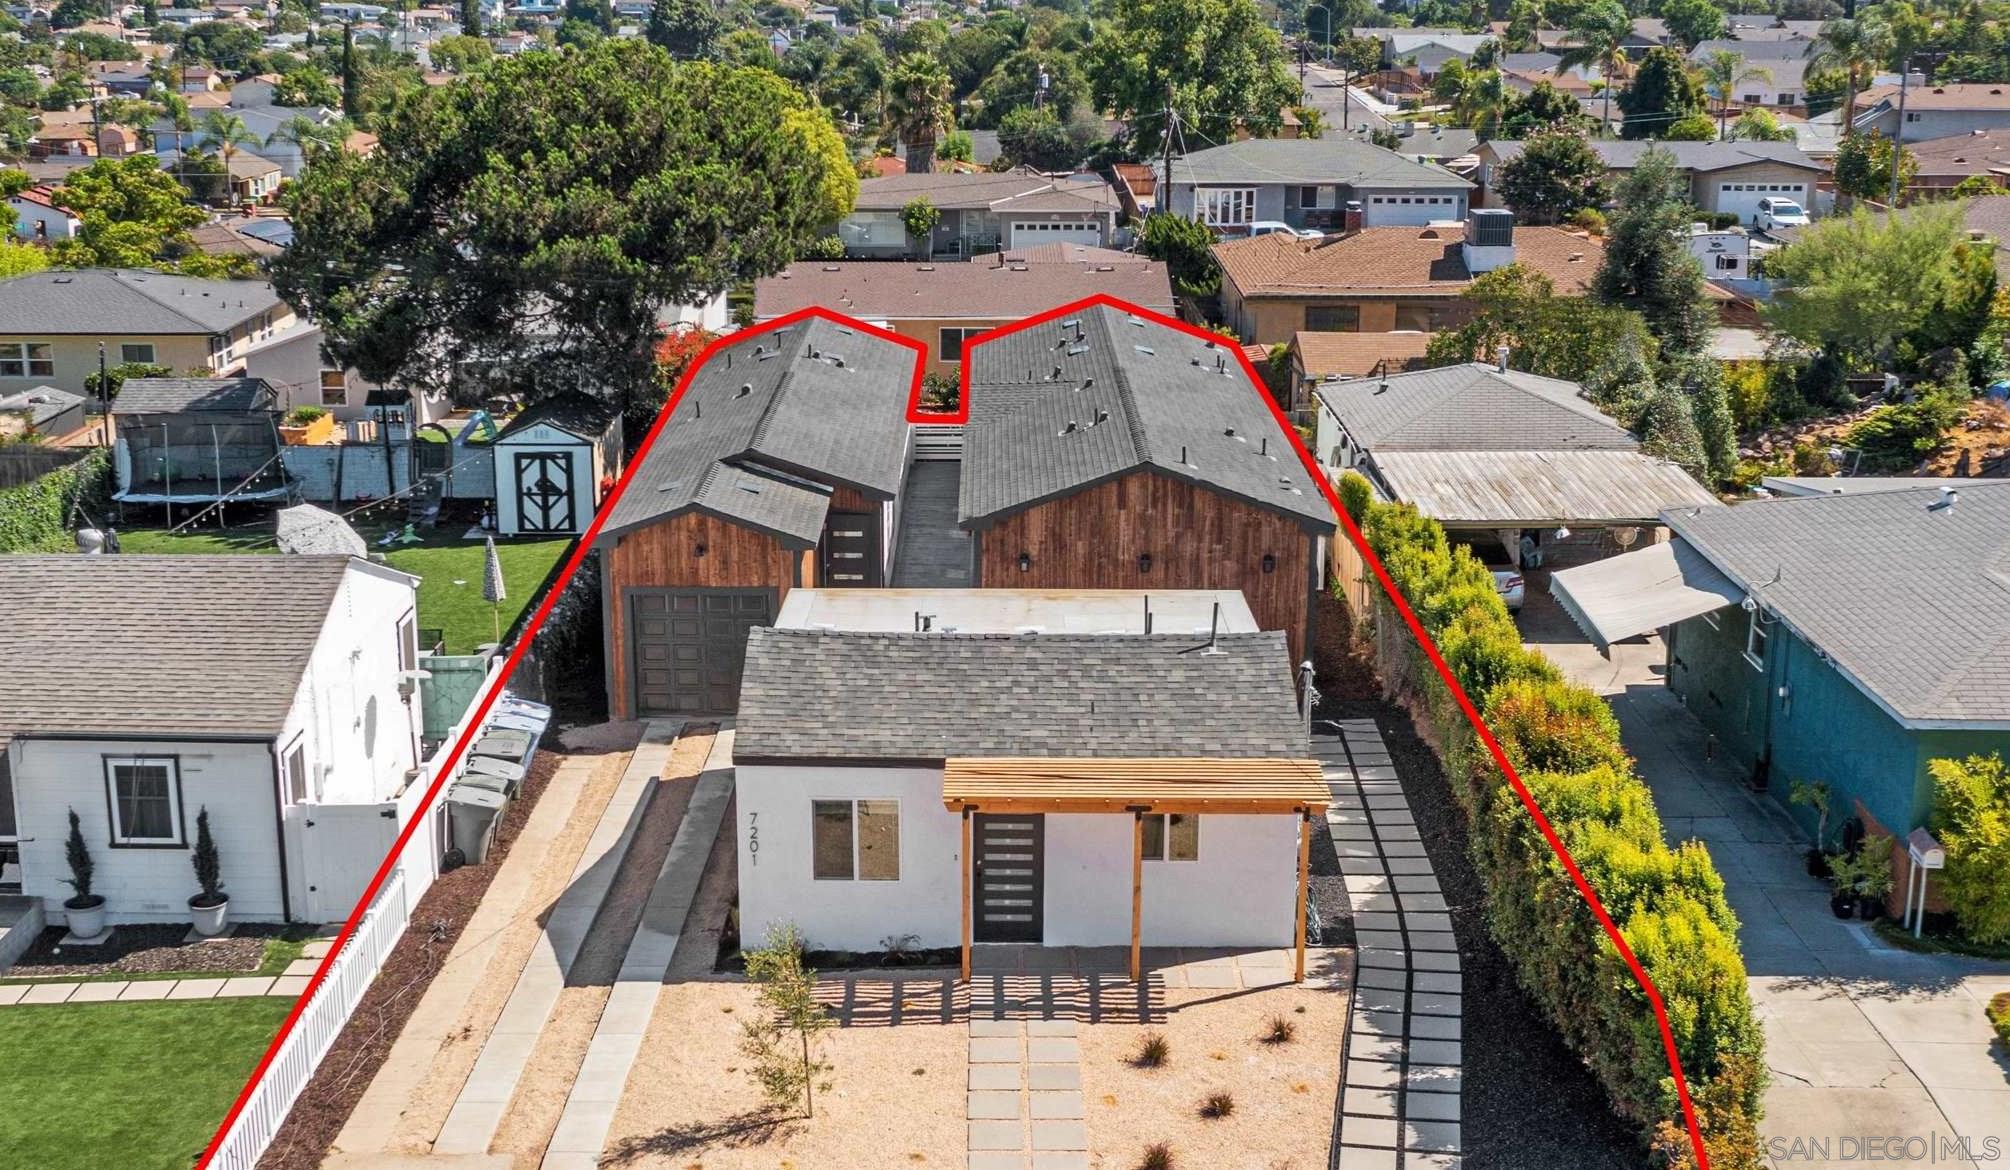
[(999, 786), (1479, 447), (1384, 279), (1850, 638), (1725, 177), (781, 466), (1311, 183), (265, 689), (52, 322), (941, 305), (980, 213), (36, 216), (1107, 449)]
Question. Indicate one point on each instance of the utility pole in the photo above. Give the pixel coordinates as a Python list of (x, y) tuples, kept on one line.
[(1164, 198), (1898, 135)]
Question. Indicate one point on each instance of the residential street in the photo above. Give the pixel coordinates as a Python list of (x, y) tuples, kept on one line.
[(1864, 1042)]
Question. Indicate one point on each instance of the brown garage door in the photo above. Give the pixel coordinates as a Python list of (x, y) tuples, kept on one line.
[(690, 646)]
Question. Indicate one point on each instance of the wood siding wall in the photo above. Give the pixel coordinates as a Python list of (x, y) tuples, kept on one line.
[(1198, 539), (662, 555)]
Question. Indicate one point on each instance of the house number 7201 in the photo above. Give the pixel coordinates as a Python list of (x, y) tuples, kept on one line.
[(753, 839)]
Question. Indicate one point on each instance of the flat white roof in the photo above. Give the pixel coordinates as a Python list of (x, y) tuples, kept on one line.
[(1012, 611)]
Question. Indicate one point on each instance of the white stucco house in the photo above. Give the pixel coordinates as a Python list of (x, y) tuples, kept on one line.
[(1032, 767), (271, 690)]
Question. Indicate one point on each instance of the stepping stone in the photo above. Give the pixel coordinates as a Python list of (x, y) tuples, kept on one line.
[(317, 948), (1435, 1005), (1438, 921), (1352, 833), (12, 993), (1384, 978), (997, 1135), (1435, 960), (994, 1050), (1416, 883), (1383, 955), (994, 1078), (238, 988), (1360, 1158), (1372, 921), (1431, 1106), (1394, 847), (196, 989), (997, 1160), (1396, 832), (97, 992), (1378, 999), (1416, 1161), (1055, 1106), (1442, 982), (1060, 1135), (1373, 1074), (1379, 1023), (995, 1027), (142, 989), (46, 993), (1434, 940), (1367, 1103), (1043, 1078), (1346, 816), (1379, 1132), (1054, 1049), (1441, 1079), (1417, 902), (1435, 1136), (1050, 1027), (1409, 865), (1388, 939), (302, 967), (993, 1106), (1435, 1027), (1061, 1160), (291, 986), (1366, 883), (1435, 1052)]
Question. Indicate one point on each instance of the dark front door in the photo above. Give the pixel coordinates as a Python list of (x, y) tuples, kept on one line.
[(691, 645), (544, 491), (1010, 857), (851, 550)]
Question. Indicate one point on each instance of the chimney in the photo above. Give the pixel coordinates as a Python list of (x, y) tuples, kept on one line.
[(1489, 239), (1501, 353), (1351, 223)]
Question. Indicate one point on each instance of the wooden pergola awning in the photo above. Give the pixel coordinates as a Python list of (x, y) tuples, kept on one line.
[(1091, 785)]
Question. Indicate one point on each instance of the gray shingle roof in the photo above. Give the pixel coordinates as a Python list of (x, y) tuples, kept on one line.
[(779, 401), (1471, 407), (1137, 395), (175, 395), (820, 694), (1913, 604), (574, 412), (128, 301), (39, 404), (163, 645), (1621, 154), (1013, 191), (1309, 160)]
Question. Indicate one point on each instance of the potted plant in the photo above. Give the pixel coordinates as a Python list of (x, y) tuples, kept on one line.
[(210, 909), (1816, 795), (1844, 873), (84, 910), (1874, 882)]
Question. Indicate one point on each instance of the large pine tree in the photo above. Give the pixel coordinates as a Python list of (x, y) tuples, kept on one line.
[(1648, 267)]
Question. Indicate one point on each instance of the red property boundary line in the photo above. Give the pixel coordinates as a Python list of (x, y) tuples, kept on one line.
[(524, 640), (961, 415)]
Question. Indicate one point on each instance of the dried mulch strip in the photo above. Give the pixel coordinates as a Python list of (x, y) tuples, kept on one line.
[(366, 1040), (155, 949), (1528, 1101)]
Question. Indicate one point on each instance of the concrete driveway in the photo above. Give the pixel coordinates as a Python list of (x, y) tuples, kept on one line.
[(1876, 1054)]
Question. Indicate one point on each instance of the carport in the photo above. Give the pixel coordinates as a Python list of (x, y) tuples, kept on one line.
[(1636, 592)]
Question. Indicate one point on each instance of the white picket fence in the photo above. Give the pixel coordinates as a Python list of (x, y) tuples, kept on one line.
[(301, 1052), (354, 966)]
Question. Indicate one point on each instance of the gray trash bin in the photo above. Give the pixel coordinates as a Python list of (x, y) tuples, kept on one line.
[(474, 814), (500, 769)]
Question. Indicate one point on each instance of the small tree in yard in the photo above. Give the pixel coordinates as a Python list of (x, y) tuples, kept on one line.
[(1556, 174), (782, 1046), (920, 217), (81, 866), (208, 869), (1971, 817)]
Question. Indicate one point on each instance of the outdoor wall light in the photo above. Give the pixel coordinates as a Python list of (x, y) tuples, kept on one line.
[(1025, 561), (699, 551), (1144, 562), (1269, 563)]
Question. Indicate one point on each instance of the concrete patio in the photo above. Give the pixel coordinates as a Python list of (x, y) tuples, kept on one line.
[(1865, 1043)]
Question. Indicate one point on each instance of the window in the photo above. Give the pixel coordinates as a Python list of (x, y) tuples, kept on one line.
[(1226, 206), (1422, 318), (1333, 318), (1172, 837), (408, 643), (1755, 641), (1308, 197), (8, 830), (950, 348), (131, 352), (1752, 99), (1912, 116), (855, 840), (296, 775), (334, 388), (144, 793), (26, 359), (1786, 99), (1726, 263)]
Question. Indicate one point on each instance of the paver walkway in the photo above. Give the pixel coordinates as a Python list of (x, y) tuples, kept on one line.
[(289, 984), (1400, 1095), (1025, 1096)]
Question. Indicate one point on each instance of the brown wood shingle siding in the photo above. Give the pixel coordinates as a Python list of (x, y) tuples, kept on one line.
[(1197, 539)]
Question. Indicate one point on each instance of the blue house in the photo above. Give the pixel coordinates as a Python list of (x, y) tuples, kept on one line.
[(1849, 638)]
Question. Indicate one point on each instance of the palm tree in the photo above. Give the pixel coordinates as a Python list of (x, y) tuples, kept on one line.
[(1722, 74), (224, 132), (917, 108), (308, 136), (1596, 33), (1855, 48)]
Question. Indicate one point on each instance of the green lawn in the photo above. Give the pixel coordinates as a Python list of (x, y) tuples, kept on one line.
[(141, 1086), (449, 571)]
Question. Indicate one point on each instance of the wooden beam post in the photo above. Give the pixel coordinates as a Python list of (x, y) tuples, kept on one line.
[(1137, 896), (1304, 884), (969, 866)]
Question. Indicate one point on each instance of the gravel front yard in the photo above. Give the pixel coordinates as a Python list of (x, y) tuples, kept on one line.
[(159, 952)]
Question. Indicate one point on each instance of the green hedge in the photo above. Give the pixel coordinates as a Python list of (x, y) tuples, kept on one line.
[(39, 516), (1668, 903)]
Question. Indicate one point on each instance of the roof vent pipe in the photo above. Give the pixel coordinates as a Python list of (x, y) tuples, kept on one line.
[(1502, 352), (1948, 498)]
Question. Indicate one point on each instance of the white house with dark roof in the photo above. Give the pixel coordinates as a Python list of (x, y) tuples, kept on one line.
[(985, 780), (980, 213), (1312, 183), (269, 689)]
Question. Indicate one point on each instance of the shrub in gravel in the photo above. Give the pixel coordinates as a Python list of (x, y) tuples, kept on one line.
[(1217, 1105), (1153, 1050), (1157, 1156), (1667, 905), (1278, 1030)]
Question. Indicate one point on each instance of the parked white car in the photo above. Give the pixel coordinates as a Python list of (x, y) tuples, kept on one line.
[(1779, 213), (1507, 575), (1266, 227)]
